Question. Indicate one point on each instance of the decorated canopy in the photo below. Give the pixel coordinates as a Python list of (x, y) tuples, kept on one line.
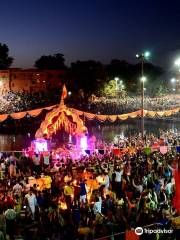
[(59, 118)]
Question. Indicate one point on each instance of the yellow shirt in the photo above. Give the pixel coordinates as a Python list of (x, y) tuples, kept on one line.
[(68, 190)]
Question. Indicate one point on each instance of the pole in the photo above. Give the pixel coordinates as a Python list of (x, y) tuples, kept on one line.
[(142, 98)]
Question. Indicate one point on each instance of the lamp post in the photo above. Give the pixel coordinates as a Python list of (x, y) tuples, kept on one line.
[(177, 81), (142, 57)]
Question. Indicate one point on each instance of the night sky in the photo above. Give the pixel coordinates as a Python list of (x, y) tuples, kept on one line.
[(90, 29)]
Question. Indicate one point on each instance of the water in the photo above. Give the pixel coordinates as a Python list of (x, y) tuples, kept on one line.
[(107, 132)]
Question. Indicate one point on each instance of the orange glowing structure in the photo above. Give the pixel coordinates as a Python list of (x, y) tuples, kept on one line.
[(59, 118)]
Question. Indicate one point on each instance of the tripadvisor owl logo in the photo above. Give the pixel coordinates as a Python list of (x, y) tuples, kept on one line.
[(138, 231)]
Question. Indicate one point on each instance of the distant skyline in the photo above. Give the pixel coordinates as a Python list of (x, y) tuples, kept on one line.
[(91, 29)]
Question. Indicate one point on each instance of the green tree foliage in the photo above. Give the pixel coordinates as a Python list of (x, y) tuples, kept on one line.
[(109, 89), (51, 62), (112, 90), (5, 60)]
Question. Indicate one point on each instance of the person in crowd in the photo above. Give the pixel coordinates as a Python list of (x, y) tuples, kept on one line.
[(97, 205), (31, 202), (2, 223), (10, 215), (83, 191), (17, 189), (68, 193)]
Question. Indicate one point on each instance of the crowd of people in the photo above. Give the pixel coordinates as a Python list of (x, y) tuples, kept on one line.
[(44, 196), (103, 105), (17, 102)]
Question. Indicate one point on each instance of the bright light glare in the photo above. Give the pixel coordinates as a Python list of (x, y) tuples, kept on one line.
[(177, 62), (143, 79), (137, 55), (69, 93), (83, 143), (40, 145), (173, 80), (174, 89), (116, 79), (147, 54)]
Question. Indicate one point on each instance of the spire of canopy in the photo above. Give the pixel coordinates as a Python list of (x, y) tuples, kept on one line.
[(64, 93)]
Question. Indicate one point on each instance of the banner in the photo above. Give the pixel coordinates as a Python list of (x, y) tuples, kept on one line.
[(19, 115), (163, 149), (147, 150), (178, 149), (131, 235), (92, 116), (116, 151)]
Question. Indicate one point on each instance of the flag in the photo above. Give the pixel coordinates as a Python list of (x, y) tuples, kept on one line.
[(147, 150), (64, 92), (131, 235), (178, 149), (116, 151), (163, 149), (176, 199)]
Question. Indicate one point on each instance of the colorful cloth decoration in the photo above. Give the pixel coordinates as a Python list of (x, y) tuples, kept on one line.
[(178, 149), (116, 151), (163, 149), (147, 150)]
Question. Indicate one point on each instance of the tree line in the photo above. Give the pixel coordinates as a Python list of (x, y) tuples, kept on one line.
[(92, 77)]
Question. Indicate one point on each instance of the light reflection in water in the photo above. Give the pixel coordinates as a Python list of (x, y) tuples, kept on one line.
[(106, 133)]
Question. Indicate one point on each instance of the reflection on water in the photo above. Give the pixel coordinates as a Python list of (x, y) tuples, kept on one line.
[(109, 132), (18, 142)]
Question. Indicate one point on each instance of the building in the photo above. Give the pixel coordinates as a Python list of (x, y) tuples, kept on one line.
[(30, 80), (4, 81)]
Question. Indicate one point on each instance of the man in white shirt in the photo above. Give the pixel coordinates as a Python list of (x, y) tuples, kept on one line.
[(118, 185), (118, 175), (32, 202), (106, 181), (138, 188)]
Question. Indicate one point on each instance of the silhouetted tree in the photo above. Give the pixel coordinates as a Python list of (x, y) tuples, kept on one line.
[(92, 77), (88, 76), (130, 75), (51, 62), (154, 78), (5, 60)]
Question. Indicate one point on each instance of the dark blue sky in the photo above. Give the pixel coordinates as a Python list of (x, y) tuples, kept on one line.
[(90, 29)]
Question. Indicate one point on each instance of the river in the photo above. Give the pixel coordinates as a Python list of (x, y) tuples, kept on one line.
[(17, 142)]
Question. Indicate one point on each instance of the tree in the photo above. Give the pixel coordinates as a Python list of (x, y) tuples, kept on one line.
[(154, 77), (87, 75), (111, 89), (51, 62), (5, 60), (130, 75)]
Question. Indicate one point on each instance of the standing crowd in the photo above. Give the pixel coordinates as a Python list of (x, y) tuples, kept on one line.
[(87, 198)]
